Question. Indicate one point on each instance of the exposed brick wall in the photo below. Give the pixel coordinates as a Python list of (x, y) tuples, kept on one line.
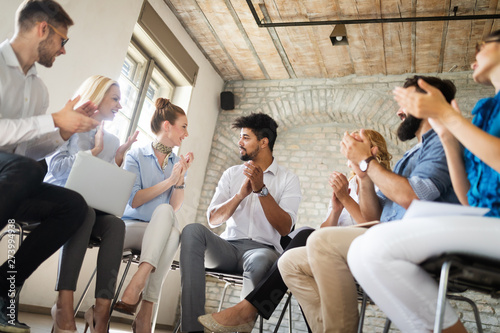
[(313, 116)]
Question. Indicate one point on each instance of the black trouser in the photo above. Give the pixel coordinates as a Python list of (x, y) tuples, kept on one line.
[(25, 198), (269, 292)]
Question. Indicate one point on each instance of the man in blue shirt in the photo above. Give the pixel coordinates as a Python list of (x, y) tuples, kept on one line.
[(318, 274), (422, 173)]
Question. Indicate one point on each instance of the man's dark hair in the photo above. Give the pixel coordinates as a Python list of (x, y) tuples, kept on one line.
[(446, 87), (32, 11), (261, 125), (408, 128)]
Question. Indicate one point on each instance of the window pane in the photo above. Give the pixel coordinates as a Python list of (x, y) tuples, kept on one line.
[(145, 118), (133, 70), (129, 96)]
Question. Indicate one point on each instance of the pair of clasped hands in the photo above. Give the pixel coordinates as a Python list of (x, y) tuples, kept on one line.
[(181, 167), (254, 181)]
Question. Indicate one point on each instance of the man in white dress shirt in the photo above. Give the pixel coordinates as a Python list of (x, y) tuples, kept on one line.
[(28, 134), (258, 200)]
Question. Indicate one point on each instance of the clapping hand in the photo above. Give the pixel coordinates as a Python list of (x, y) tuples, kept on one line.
[(71, 121), (120, 152)]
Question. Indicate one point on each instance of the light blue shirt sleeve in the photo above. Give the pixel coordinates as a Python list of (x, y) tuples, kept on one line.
[(142, 162)]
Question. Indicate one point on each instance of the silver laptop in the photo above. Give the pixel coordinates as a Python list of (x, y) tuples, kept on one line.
[(104, 186)]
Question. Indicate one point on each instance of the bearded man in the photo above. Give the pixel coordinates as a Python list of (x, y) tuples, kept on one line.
[(258, 200), (317, 274), (27, 134)]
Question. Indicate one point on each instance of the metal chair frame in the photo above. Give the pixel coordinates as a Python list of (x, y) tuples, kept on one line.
[(237, 280), (128, 257), (458, 272)]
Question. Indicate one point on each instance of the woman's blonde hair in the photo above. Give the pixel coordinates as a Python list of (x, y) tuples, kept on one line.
[(165, 110), (377, 140), (94, 88)]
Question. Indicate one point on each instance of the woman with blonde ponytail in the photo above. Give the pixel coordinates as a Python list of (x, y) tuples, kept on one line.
[(105, 93), (150, 213)]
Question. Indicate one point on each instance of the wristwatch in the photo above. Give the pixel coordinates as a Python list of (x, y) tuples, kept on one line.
[(363, 165), (263, 191)]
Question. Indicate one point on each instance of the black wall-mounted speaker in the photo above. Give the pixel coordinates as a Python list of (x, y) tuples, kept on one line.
[(227, 100)]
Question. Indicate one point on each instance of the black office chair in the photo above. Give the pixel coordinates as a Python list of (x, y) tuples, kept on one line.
[(459, 272), (237, 280)]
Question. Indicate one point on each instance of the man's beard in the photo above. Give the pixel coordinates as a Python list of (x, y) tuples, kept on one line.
[(44, 58), (408, 128), (249, 157)]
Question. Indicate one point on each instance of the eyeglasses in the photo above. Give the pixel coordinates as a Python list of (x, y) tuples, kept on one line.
[(65, 38), (481, 44)]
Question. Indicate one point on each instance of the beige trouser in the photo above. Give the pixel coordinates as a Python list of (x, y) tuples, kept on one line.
[(319, 278), (158, 241)]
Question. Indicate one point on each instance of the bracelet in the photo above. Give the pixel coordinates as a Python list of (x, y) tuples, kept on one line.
[(180, 187)]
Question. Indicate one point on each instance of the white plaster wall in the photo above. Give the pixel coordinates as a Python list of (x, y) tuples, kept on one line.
[(98, 44)]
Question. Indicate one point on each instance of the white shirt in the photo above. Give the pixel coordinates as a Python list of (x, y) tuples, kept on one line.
[(25, 129), (248, 220), (60, 164)]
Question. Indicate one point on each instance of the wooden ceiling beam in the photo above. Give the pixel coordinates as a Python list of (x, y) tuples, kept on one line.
[(197, 26)]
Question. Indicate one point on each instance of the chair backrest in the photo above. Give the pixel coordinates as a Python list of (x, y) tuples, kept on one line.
[(285, 240), (469, 271)]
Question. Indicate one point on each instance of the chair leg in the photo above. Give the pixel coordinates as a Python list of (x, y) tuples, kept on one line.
[(474, 309), (290, 313), (441, 301), (177, 326), (156, 306), (117, 294), (85, 291), (387, 325), (286, 306), (223, 295), (362, 312), (261, 322)]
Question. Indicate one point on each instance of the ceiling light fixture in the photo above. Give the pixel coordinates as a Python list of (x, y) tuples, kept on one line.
[(339, 35)]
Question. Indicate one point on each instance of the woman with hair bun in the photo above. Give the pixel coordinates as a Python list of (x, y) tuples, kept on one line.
[(150, 220)]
